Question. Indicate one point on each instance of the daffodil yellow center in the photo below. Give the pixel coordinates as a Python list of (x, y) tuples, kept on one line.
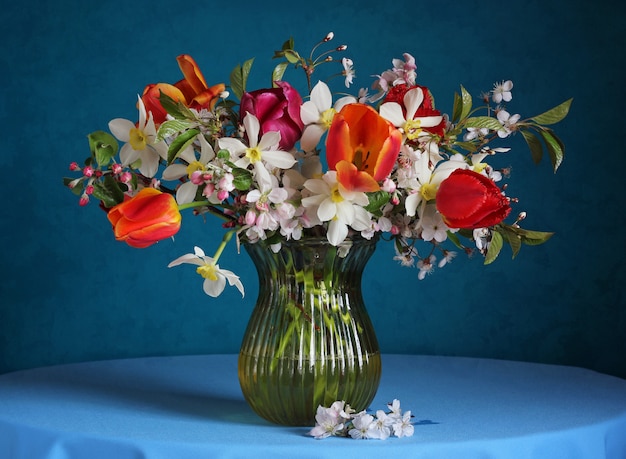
[(195, 166), (207, 271), (137, 139), (479, 167), (327, 117), (335, 195), (412, 128), (253, 154), (428, 191)]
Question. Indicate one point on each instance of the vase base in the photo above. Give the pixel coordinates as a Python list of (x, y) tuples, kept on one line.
[(288, 391)]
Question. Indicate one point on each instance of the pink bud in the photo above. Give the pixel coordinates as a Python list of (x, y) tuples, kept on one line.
[(88, 171), (74, 166), (84, 200)]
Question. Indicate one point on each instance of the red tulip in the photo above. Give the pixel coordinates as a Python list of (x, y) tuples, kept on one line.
[(277, 109), (359, 135), (467, 199), (148, 217), (192, 90), (427, 108)]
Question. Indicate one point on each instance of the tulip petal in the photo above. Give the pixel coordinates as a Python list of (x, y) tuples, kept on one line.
[(354, 180), (192, 73)]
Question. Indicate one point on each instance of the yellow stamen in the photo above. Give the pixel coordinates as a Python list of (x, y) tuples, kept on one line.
[(479, 167), (138, 139), (428, 191), (253, 154), (335, 195), (195, 166), (207, 271), (327, 117), (412, 128)]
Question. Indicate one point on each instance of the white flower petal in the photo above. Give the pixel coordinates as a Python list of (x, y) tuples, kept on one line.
[(214, 288), (392, 112), (174, 172), (186, 193), (120, 128)]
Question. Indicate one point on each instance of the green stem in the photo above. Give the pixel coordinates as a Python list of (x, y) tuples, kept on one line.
[(225, 240)]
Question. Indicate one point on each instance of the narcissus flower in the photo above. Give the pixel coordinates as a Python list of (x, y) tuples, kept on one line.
[(359, 135), (148, 217), (467, 199), (214, 277)]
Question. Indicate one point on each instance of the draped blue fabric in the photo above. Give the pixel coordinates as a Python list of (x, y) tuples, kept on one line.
[(188, 407)]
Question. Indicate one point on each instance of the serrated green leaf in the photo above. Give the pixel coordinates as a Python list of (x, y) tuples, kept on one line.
[(108, 191), (172, 127), (553, 115), (457, 107), (484, 122), (175, 108), (452, 237), (377, 199), (534, 144), (77, 189), (513, 239), (466, 99), (180, 143), (292, 56), (103, 147), (495, 246), (279, 71), (555, 147), (239, 77), (242, 179)]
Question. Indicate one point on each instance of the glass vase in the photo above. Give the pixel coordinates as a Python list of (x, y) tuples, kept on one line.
[(309, 340)]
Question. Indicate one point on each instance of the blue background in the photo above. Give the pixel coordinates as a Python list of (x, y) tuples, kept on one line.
[(69, 292)]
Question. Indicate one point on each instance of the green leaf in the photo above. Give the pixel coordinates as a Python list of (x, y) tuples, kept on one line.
[(239, 78), (466, 99), (452, 237), (556, 149), (534, 144), (242, 179), (512, 238), (292, 56), (109, 191), (494, 247), (78, 188), (103, 147), (172, 127), (534, 237), (457, 108), (553, 115), (180, 143), (279, 71), (484, 122), (377, 199), (175, 108)]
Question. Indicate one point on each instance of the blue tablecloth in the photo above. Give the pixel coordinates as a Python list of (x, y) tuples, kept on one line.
[(191, 407)]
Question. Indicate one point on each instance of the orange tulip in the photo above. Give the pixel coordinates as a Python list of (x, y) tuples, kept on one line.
[(148, 217), (360, 136), (192, 90)]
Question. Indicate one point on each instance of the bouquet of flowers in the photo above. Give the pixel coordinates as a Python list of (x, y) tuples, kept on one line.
[(276, 165)]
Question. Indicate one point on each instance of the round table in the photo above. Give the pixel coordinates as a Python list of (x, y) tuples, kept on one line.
[(191, 407)]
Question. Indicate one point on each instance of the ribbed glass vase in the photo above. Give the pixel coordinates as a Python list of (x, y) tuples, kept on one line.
[(310, 340)]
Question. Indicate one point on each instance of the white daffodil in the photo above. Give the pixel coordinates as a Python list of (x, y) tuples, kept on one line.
[(196, 169), (428, 180), (317, 114), (265, 149), (410, 126), (214, 277), (140, 141), (332, 203)]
